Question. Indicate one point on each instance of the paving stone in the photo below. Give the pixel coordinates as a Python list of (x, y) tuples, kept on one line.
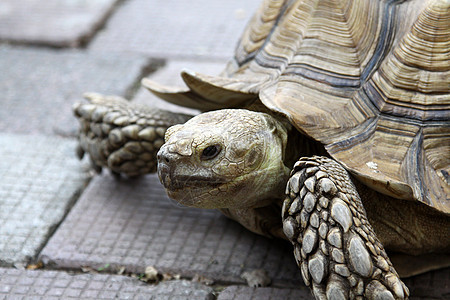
[(40, 178), (61, 23), (132, 223), (47, 284), (170, 75), (268, 293), (176, 28), (39, 86)]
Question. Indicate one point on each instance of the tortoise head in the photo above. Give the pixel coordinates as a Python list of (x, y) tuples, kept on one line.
[(225, 159)]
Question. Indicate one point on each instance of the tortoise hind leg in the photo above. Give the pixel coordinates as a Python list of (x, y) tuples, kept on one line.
[(337, 251), (120, 135)]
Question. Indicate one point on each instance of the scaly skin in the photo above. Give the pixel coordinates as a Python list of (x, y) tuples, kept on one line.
[(339, 254), (122, 136)]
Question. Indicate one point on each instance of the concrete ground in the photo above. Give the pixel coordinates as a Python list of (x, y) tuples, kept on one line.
[(66, 233)]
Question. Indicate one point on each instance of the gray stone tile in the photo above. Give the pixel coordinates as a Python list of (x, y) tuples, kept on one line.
[(170, 75), (40, 178), (47, 284), (39, 86), (66, 23), (235, 292), (176, 28), (132, 223)]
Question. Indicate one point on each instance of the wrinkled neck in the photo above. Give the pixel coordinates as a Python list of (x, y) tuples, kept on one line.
[(270, 184)]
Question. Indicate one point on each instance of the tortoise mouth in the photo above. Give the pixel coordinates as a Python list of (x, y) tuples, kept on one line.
[(184, 182), (196, 193), (185, 188)]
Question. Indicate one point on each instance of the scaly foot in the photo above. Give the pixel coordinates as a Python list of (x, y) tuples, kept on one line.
[(335, 247), (122, 136)]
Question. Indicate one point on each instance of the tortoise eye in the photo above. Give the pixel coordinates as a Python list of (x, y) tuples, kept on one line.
[(210, 152)]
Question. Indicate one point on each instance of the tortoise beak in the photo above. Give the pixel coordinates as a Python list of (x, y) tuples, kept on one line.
[(173, 168), (164, 176), (165, 159)]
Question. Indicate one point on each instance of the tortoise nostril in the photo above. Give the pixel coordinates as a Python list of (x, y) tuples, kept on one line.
[(164, 156)]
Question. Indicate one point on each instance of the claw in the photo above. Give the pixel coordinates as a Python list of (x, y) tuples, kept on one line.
[(85, 110), (96, 167), (80, 152)]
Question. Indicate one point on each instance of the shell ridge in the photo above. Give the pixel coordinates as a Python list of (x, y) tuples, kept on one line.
[(412, 169), (412, 82), (254, 54), (416, 112), (179, 96), (383, 43), (306, 71), (360, 133)]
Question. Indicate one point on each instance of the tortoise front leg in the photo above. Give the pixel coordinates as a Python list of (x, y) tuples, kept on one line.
[(120, 135), (335, 247)]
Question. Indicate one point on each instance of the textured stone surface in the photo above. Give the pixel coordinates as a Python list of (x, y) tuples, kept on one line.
[(268, 293), (39, 179), (22, 284), (170, 75), (176, 28), (39, 87), (58, 23), (132, 223)]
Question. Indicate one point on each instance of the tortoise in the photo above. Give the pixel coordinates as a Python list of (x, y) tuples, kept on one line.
[(334, 115)]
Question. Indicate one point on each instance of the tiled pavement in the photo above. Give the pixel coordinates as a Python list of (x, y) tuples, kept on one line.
[(51, 212), (52, 22), (49, 285), (40, 180), (41, 85), (209, 28), (245, 292)]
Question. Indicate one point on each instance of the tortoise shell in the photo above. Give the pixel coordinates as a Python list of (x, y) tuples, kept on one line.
[(368, 79)]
